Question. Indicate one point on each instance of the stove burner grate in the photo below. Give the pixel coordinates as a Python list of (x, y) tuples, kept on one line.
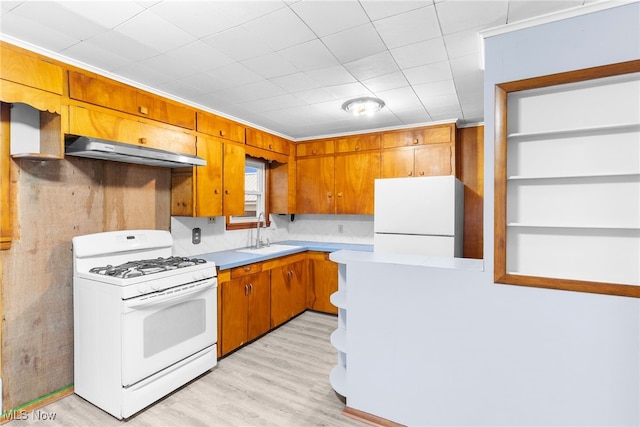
[(146, 266)]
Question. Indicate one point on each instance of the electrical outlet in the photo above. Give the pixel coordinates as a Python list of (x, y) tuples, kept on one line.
[(212, 220), (340, 229), (195, 236)]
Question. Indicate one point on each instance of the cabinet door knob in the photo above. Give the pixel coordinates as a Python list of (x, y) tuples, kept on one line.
[(340, 194), (329, 194), (421, 173), (226, 191), (143, 110), (416, 140), (215, 191), (270, 146), (410, 173), (143, 141)]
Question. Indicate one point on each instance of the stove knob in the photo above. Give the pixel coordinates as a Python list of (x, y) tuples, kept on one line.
[(142, 288), (198, 276)]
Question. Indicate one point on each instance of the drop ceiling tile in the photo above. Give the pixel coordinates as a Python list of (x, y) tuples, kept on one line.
[(238, 44), (471, 83), (54, 16), (347, 91), (354, 43), (144, 75), (315, 96), (464, 15), (280, 29), (200, 55), (154, 31), (205, 83), (401, 99), (241, 12), (465, 65), (102, 12), (429, 73), (463, 43), (123, 45), (428, 91), (180, 90), (296, 82), (170, 67), (520, 10), (35, 33), (199, 18), (409, 27), (6, 6), (419, 115), (331, 76), (270, 65), (328, 17), (421, 53), (90, 53), (372, 66), (259, 90), (389, 81), (383, 9), (312, 55), (235, 74)]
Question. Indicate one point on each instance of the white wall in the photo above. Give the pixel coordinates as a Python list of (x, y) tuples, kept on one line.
[(319, 228), (600, 333)]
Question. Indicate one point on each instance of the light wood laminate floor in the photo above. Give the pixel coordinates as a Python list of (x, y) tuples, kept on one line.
[(282, 379)]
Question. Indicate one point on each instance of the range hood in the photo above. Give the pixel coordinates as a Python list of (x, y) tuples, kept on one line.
[(95, 148)]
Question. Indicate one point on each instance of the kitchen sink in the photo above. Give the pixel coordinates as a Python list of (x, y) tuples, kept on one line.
[(268, 250)]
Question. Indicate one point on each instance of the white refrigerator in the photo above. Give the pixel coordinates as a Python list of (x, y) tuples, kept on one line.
[(421, 216)]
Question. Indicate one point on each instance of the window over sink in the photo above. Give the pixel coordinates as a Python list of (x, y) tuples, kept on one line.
[(255, 184)]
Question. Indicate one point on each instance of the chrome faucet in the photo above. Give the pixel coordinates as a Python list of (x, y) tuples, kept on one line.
[(258, 239)]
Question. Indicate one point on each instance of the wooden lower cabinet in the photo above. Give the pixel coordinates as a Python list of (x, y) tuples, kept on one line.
[(323, 281), (245, 310), (254, 298), (288, 292)]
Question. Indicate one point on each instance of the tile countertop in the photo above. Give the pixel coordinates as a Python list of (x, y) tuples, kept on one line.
[(232, 258)]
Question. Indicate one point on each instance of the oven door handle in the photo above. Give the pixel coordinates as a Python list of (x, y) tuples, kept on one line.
[(167, 297)]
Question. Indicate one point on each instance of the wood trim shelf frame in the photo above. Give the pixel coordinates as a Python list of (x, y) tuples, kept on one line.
[(501, 179)]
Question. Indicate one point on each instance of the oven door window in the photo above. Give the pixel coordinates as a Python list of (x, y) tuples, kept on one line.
[(155, 336)]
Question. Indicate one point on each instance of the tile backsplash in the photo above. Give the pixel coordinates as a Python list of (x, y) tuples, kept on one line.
[(319, 228)]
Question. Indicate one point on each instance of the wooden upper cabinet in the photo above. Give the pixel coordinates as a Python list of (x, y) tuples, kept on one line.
[(315, 185), (220, 127), (355, 176), (434, 159), (315, 148), (233, 179), (419, 136), (120, 97), (267, 141), (101, 124), (30, 71), (209, 177), (6, 219), (358, 143)]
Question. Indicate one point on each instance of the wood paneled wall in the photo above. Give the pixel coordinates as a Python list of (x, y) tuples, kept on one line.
[(470, 170), (55, 201)]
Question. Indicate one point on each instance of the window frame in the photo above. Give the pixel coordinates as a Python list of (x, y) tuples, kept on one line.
[(240, 222)]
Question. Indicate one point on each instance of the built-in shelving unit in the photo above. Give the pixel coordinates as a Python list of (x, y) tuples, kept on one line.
[(338, 376), (568, 183)]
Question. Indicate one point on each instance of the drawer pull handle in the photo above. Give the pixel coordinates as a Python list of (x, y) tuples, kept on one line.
[(247, 268), (221, 132), (143, 110), (143, 141)]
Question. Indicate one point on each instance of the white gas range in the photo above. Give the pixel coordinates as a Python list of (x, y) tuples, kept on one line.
[(145, 322)]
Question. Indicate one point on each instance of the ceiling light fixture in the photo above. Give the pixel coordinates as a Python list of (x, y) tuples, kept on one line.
[(366, 106)]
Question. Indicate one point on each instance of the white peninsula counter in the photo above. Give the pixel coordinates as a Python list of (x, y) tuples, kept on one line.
[(431, 341), (395, 316)]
